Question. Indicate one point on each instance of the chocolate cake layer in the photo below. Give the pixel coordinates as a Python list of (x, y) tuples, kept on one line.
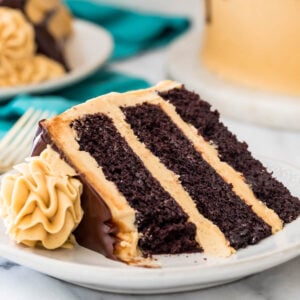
[(213, 196), (266, 188), (163, 225), (96, 230)]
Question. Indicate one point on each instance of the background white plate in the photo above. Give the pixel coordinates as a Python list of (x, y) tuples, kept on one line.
[(178, 273), (86, 50), (230, 99)]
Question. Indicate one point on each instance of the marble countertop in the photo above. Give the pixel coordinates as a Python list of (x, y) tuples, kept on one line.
[(282, 282)]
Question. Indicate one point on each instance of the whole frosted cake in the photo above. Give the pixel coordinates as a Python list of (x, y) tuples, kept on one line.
[(254, 42), (156, 172)]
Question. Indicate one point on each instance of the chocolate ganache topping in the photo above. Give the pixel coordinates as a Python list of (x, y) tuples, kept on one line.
[(96, 230)]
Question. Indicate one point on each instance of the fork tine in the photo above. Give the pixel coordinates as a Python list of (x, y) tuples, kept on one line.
[(21, 140), (17, 139), (17, 126), (24, 150)]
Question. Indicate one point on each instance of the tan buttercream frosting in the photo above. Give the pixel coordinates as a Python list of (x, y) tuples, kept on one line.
[(59, 19), (33, 70), (38, 69), (38, 9), (254, 43), (16, 39), (40, 203)]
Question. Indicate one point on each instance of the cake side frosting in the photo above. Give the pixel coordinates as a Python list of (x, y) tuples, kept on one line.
[(254, 42)]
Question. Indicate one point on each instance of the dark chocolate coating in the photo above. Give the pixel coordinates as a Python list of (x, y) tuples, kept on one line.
[(208, 11), (266, 188), (214, 197), (46, 43), (96, 231)]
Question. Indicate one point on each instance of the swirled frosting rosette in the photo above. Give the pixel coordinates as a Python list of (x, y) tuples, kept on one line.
[(40, 203), (16, 39), (33, 70), (38, 69)]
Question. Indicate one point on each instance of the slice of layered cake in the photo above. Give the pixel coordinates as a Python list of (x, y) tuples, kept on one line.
[(162, 175)]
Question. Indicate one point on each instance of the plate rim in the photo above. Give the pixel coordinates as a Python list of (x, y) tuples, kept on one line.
[(71, 77)]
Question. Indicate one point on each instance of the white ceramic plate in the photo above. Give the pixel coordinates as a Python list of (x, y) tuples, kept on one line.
[(231, 99), (86, 50), (178, 273)]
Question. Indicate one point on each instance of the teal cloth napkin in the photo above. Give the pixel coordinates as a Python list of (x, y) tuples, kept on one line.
[(102, 82), (133, 32)]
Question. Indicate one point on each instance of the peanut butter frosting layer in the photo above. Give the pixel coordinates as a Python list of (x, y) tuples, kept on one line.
[(255, 43), (40, 202)]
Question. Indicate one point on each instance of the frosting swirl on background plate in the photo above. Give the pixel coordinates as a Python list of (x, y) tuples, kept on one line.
[(40, 204), (34, 70), (16, 39)]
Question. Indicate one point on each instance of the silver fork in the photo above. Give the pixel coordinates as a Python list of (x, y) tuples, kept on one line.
[(16, 144)]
